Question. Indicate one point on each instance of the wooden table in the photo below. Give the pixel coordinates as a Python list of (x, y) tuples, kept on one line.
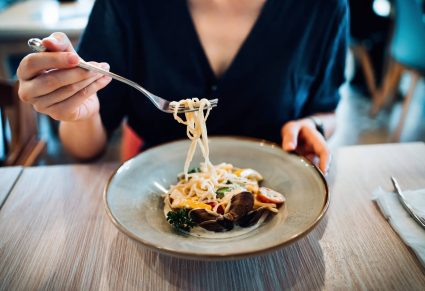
[(8, 177), (55, 235)]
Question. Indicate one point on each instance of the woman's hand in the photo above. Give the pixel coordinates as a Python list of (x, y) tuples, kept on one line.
[(302, 137), (54, 84)]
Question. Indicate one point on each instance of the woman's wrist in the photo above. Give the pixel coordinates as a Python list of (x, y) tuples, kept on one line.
[(325, 123), (85, 138), (318, 125)]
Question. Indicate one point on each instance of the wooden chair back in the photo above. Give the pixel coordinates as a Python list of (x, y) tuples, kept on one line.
[(19, 130)]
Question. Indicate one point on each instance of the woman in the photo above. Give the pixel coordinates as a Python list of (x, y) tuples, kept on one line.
[(273, 64)]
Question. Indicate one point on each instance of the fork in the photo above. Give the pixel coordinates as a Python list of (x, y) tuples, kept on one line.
[(162, 104), (420, 220)]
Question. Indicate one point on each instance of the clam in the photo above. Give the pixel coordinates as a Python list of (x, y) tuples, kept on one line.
[(220, 224), (240, 205), (199, 215), (210, 220), (252, 217)]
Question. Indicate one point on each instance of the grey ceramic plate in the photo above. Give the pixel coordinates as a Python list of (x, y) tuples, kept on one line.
[(134, 203)]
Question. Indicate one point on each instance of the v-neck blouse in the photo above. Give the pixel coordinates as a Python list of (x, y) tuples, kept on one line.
[(290, 65)]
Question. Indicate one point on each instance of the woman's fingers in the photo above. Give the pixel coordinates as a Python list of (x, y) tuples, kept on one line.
[(290, 134), (60, 55), (320, 148), (58, 41), (75, 107), (43, 102), (34, 64), (55, 86), (56, 79), (305, 139)]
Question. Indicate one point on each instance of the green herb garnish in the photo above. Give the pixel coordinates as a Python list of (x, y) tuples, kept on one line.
[(181, 177), (220, 191), (180, 219), (194, 170)]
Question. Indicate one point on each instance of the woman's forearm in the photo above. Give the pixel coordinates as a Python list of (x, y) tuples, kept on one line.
[(84, 139)]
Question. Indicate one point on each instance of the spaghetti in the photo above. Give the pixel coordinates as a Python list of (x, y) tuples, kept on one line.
[(212, 188)]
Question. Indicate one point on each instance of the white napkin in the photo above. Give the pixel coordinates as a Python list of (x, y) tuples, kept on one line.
[(406, 227)]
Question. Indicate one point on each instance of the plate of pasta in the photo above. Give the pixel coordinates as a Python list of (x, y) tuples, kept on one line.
[(215, 198)]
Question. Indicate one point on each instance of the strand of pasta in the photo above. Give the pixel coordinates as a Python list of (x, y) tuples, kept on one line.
[(196, 131), (201, 186)]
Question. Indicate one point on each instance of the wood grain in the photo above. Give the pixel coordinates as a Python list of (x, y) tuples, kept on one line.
[(368, 253), (55, 235), (8, 176)]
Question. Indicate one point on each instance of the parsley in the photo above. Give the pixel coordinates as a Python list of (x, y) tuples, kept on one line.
[(181, 177), (194, 170), (220, 191), (180, 219)]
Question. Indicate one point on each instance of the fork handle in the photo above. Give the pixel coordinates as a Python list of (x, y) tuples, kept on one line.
[(83, 64), (36, 45)]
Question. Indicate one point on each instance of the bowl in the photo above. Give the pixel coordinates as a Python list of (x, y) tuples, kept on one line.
[(134, 198)]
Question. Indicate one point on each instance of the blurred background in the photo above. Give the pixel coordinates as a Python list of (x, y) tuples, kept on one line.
[(383, 100)]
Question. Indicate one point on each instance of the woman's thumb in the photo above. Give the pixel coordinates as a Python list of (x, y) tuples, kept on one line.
[(58, 42)]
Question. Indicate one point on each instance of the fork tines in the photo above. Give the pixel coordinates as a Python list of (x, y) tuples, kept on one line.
[(182, 108)]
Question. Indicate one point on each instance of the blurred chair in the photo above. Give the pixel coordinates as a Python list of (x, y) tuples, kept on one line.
[(19, 127), (130, 143), (370, 29), (361, 54), (407, 53)]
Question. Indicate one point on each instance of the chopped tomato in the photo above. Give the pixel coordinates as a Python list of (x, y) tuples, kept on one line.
[(212, 203), (268, 195)]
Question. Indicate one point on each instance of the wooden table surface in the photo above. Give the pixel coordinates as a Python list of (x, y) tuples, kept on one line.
[(8, 177), (55, 235)]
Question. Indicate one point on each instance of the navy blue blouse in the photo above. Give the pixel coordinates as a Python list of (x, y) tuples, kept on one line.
[(291, 65)]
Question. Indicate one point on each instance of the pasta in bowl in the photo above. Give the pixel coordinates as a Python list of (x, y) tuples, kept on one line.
[(224, 204), (215, 197), (134, 198), (232, 198)]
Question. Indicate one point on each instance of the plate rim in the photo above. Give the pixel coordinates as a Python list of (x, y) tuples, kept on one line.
[(218, 256)]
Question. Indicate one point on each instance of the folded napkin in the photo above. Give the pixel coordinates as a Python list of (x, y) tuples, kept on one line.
[(406, 227)]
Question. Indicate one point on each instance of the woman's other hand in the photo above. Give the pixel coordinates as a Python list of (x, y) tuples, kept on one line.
[(54, 84), (302, 137)]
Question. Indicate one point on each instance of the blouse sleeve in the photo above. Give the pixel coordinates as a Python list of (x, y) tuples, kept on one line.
[(104, 40), (324, 92)]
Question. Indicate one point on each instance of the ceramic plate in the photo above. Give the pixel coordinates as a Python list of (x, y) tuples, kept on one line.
[(134, 202)]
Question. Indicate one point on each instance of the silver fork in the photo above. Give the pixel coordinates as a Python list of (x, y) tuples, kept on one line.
[(420, 220), (162, 104)]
